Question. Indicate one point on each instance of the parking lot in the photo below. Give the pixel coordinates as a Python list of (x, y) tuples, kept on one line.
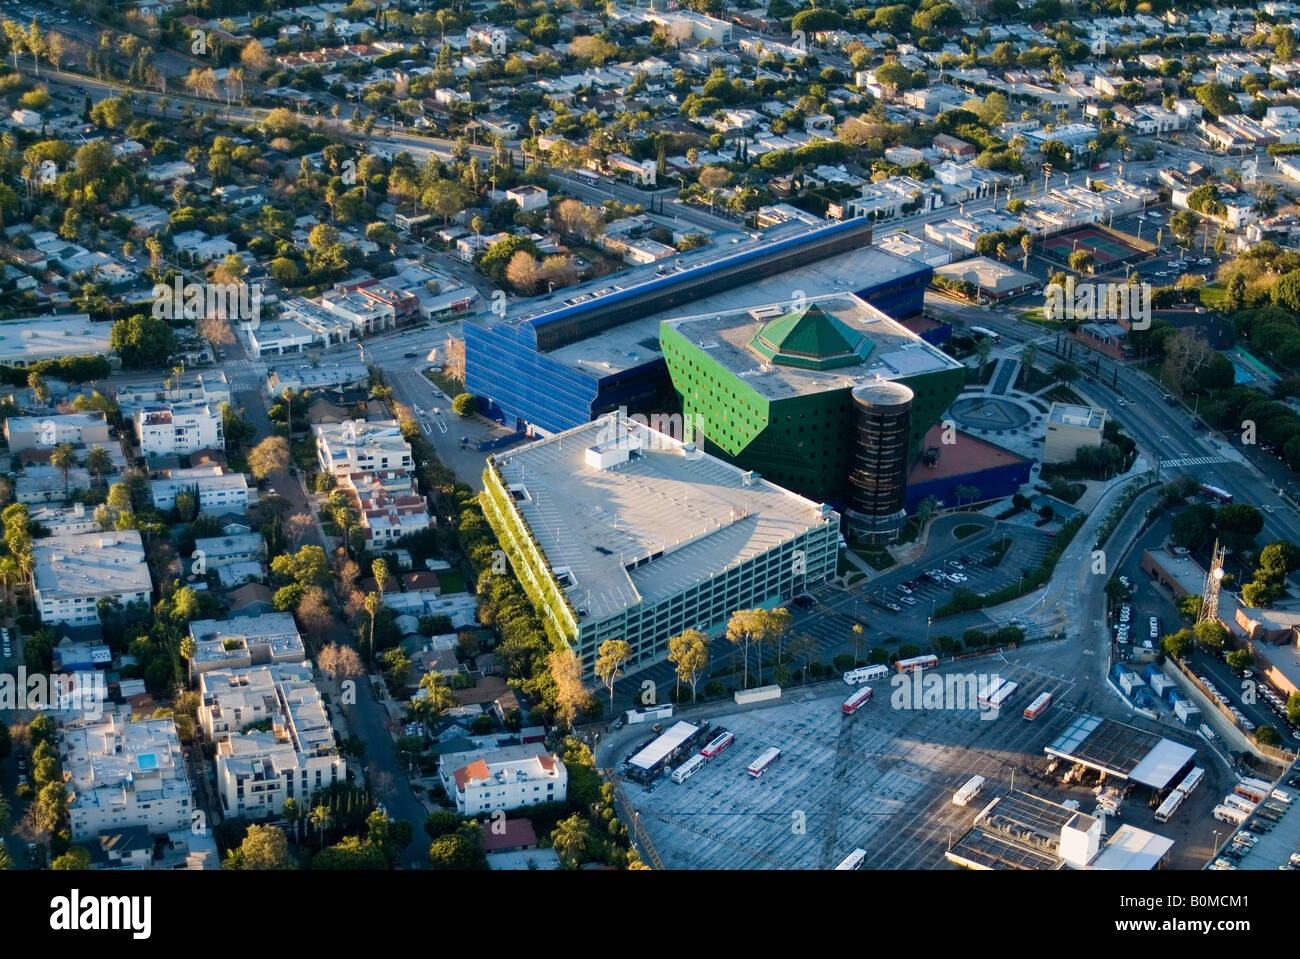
[(881, 779), (930, 583)]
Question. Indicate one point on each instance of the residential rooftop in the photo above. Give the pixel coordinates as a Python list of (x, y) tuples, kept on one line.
[(92, 564), (1070, 415)]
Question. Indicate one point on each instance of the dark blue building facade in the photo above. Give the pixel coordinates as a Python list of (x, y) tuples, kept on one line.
[(996, 482), (508, 365)]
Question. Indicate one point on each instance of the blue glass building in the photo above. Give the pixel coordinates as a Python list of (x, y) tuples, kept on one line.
[(524, 370)]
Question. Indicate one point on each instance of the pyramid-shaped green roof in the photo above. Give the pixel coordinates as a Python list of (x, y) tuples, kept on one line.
[(811, 339)]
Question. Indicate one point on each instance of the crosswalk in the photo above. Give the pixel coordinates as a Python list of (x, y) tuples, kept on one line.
[(1193, 461)]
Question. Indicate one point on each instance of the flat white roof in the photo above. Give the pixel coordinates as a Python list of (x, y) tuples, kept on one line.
[(657, 520), (1158, 767), (1132, 849), (665, 744), (42, 337)]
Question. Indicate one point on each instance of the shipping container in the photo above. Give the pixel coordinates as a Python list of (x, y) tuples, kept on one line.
[(745, 696), (1187, 713)]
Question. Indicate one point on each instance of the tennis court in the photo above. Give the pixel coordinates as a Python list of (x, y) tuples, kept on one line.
[(1106, 249)]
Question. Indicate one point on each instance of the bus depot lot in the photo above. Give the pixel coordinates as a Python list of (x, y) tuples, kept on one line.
[(881, 779)]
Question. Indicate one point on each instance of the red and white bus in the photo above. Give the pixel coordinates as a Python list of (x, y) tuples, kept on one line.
[(765, 759), (1215, 493), (1256, 790), (717, 745), (916, 662), (1038, 706), (857, 700)]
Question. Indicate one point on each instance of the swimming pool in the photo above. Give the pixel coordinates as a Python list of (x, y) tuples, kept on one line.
[(1247, 369)]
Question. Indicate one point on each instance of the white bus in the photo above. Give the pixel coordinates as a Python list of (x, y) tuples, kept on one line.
[(987, 687), (1192, 780), (853, 860), (765, 759), (1231, 814), (985, 331), (865, 674), (1241, 802), (1004, 693), (689, 768), (969, 791), (1170, 805)]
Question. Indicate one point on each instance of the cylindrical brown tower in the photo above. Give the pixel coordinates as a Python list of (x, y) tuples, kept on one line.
[(878, 474)]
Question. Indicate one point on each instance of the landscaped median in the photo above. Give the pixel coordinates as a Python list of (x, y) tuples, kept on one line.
[(966, 600), (1116, 512)]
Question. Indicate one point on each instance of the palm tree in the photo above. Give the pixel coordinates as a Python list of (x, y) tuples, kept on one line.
[(982, 349), (27, 569), (9, 576), (320, 819), (293, 814), (1027, 358), (64, 458), (373, 603), (98, 462), (570, 838), (439, 696)]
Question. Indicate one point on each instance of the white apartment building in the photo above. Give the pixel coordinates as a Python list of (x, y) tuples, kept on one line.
[(207, 386), (73, 573), (245, 641), (124, 774), (219, 551), (232, 699), (64, 520), (482, 781), (47, 432), (365, 315), (257, 771), (362, 445), (217, 492), (165, 429)]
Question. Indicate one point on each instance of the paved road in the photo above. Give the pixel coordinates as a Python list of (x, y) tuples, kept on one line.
[(368, 719)]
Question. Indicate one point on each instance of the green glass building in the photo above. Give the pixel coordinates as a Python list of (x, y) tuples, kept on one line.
[(770, 389)]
